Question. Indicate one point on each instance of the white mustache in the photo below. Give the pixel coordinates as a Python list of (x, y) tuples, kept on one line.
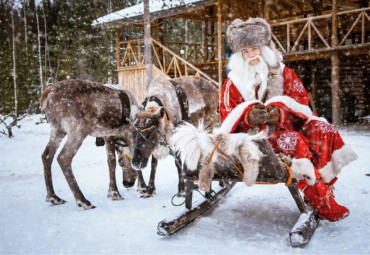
[(248, 60)]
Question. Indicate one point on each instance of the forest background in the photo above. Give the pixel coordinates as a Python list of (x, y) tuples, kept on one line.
[(45, 41)]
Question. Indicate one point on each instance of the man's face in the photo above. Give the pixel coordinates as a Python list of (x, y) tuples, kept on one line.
[(251, 53)]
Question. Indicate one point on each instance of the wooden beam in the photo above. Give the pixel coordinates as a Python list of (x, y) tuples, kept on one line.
[(147, 43), (335, 68), (219, 46)]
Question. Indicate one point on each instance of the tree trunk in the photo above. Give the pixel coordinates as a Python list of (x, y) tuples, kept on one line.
[(47, 57), (25, 29), (14, 67), (39, 48), (147, 43)]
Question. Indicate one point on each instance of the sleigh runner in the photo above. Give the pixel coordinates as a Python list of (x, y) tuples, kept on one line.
[(271, 171)]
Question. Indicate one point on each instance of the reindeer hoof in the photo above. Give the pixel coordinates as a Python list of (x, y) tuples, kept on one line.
[(85, 205), (150, 192), (55, 200), (114, 195), (181, 194), (142, 190)]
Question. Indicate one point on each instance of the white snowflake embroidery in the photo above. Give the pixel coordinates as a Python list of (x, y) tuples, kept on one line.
[(287, 141), (325, 127), (298, 86)]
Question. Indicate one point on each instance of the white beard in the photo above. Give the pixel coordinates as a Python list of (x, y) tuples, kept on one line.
[(247, 77)]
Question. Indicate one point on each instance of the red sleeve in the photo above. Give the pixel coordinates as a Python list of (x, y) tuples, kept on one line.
[(294, 88), (231, 98)]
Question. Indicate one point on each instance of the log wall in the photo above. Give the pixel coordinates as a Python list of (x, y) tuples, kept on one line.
[(354, 86)]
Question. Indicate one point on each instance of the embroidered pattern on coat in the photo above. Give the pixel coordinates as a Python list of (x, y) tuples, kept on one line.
[(325, 127), (287, 141), (298, 86)]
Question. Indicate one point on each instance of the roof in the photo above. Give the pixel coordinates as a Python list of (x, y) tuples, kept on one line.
[(134, 14)]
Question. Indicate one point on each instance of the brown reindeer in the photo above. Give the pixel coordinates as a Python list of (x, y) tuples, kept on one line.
[(76, 109), (169, 102)]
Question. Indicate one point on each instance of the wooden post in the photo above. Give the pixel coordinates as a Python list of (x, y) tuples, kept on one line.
[(205, 38), (118, 42), (147, 43), (335, 71), (266, 9), (219, 50), (313, 89)]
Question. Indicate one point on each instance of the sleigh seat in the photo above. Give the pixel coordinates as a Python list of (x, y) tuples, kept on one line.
[(271, 171)]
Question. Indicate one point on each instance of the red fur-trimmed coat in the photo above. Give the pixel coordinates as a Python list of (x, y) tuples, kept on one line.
[(316, 146)]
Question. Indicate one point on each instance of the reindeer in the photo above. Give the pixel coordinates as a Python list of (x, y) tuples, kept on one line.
[(76, 109), (169, 102)]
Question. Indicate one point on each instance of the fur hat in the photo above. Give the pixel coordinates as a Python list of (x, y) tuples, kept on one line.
[(253, 32)]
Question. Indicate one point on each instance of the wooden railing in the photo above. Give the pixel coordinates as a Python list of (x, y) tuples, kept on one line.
[(162, 57), (313, 33)]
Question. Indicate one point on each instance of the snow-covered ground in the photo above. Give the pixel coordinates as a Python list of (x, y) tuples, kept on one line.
[(249, 220)]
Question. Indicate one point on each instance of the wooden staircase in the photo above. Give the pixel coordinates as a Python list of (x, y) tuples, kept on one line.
[(132, 72)]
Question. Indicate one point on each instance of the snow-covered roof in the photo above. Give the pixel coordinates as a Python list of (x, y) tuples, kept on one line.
[(134, 12)]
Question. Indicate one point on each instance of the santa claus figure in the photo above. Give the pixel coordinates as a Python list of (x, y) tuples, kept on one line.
[(261, 93)]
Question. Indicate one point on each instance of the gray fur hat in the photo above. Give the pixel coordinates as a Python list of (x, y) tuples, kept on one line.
[(253, 32)]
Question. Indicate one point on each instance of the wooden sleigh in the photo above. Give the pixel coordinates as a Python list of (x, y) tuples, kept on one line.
[(271, 171)]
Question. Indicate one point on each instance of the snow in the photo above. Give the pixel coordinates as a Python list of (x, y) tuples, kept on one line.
[(138, 10), (249, 220)]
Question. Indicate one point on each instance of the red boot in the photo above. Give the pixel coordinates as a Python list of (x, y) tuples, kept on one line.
[(320, 196)]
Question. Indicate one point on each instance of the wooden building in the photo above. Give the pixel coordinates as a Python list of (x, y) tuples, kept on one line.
[(327, 42)]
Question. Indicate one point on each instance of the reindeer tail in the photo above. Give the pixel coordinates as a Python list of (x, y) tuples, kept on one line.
[(188, 141)]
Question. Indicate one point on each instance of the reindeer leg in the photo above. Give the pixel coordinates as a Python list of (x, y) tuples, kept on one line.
[(181, 185), (205, 177), (141, 186), (56, 137), (113, 190), (73, 143), (250, 165), (151, 185)]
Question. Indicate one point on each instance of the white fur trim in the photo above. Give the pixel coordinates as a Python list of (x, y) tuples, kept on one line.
[(295, 106), (340, 159), (234, 115), (303, 169), (227, 95)]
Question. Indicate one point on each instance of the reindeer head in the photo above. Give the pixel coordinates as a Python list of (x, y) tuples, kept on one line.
[(147, 136)]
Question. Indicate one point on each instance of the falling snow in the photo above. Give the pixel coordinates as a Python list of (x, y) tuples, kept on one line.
[(249, 220)]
